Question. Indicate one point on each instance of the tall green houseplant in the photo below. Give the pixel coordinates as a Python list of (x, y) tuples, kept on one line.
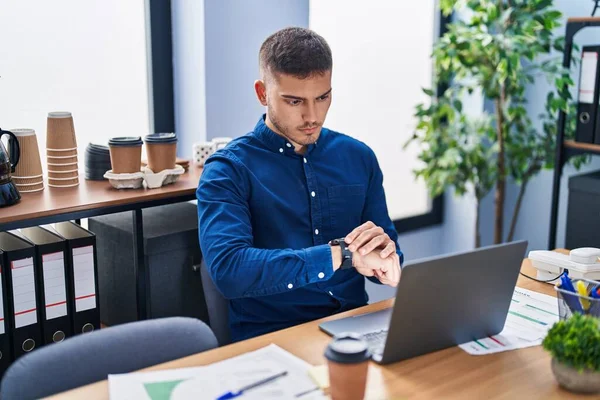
[(499, 48)]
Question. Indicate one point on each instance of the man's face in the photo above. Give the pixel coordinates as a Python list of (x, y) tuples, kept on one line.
[(296, 108)]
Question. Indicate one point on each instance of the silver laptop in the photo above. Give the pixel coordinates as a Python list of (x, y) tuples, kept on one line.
[(441, 302)]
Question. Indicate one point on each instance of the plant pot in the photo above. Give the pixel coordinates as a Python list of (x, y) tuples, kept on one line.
[(574, 381)]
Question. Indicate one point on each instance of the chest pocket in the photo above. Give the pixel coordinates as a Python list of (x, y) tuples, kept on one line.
[(346, 205)]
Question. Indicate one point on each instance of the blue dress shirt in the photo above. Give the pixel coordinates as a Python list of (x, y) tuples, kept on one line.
[(265, 216)]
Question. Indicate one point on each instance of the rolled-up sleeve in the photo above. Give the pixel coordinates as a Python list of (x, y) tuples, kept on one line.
[(225, 232)]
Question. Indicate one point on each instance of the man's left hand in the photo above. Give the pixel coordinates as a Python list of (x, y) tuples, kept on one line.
[(369, 237), (390, 276)]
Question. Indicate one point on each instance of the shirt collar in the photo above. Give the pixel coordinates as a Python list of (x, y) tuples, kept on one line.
[(278, 143)]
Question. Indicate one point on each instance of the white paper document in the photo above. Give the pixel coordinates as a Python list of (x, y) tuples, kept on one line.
[(530, 316), (212, 381)]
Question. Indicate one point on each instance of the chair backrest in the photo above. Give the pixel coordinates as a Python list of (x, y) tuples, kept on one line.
[(90, 357), (218, 307)]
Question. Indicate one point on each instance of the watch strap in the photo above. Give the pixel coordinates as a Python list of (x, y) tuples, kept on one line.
[(346, 253)]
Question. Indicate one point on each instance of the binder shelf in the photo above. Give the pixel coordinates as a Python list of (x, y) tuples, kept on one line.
[(94, 198), (566, 149)]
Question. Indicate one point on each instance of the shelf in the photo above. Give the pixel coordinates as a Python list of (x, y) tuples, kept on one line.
[(594, 20), (92, 198), (582, 147)]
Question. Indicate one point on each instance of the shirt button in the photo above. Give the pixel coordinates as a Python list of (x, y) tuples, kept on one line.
[(321, 275), (288, 145), (281, 150), (305, 161), (316, 231), (290, 286), (313, 194)]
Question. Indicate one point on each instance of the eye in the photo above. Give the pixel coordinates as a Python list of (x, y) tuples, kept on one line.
[(324, 97), (294, 102)]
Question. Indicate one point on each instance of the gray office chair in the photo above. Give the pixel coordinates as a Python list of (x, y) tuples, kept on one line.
[(218, 307), (90, 357)]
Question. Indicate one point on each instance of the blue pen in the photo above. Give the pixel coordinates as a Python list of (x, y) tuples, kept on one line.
[(232, 395), (572, 300)]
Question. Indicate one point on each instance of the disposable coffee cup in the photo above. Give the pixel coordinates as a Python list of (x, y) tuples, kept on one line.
[(161, 149), (125, 154), (348, 363)]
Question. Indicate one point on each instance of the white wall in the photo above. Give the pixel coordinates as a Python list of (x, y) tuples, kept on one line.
[(87, 57), (381, 52), (189, 73)]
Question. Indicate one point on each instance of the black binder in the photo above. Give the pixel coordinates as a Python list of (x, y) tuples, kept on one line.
[(83, 276), (587, 108), (53, 285), (23, 299), (5, 343)]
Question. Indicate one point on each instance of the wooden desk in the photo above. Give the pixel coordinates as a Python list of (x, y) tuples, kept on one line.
[(450, 373), (93, 198)]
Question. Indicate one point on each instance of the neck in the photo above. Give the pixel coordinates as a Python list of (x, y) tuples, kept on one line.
[(298, 148)]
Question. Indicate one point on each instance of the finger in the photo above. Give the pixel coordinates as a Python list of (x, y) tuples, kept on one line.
[(364, 237), (390, 248), (374, 243), (357, 231)]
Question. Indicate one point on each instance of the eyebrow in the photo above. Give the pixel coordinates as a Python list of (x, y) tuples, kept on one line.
[(288, 96)]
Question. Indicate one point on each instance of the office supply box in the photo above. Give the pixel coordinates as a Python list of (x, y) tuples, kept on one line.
[(583, 211), (171, 251)]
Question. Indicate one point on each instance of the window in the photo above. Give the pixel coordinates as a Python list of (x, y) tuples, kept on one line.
[(381, 54), (85, 57)]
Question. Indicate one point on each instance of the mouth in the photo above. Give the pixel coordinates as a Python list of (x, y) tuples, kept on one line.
[(310, 131)]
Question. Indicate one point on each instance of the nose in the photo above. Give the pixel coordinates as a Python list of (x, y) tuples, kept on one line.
[(310, 114)]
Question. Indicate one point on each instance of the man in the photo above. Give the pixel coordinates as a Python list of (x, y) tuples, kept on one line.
[(270, 202)]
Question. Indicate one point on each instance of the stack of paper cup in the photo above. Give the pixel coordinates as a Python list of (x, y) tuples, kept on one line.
[(28, 176), (61, 150)]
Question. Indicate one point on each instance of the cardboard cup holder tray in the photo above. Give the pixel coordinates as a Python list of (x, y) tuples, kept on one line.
[(137, 179)]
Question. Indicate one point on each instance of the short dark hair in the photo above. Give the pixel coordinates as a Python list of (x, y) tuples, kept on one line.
[(295, 51)]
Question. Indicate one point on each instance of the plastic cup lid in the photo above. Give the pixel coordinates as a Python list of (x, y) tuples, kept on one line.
[(125, 141), (59, 114), (160, 138), (347, 348)]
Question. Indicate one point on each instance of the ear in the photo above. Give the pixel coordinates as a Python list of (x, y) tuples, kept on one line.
[(261, 92)]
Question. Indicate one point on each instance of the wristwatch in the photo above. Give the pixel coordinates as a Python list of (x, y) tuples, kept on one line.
[(346, 254)]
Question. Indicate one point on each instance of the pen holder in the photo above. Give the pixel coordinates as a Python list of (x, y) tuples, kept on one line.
[(570, 302)]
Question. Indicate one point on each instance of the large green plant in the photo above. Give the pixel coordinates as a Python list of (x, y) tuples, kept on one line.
[(575, 342), (499, 48)]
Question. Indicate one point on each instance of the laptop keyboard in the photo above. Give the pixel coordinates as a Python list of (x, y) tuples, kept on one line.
[(376, 341)]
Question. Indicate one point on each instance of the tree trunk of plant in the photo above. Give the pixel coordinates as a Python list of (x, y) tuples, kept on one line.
[(501, 183), (477, 231), (515, 216)]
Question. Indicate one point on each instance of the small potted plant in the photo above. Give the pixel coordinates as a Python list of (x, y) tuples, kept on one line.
[(575, 348)]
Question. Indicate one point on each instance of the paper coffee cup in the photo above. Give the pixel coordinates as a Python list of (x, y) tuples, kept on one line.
[(30, 163), (125, 154), (348, 363), (34, 188), (161, 149), (63, 175), (60, 132), (71, 182)]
